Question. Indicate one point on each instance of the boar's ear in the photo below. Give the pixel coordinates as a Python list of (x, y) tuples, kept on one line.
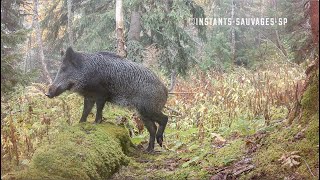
[(69, 53), (71, 56)]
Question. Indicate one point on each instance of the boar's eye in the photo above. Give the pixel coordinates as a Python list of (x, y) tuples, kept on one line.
[(63, 68)]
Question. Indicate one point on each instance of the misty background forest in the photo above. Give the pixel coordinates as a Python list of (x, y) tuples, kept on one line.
[(243, 101)]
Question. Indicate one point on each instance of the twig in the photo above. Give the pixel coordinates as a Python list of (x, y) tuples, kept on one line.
[(308, 167), (171, 116), (247, 168), (182, 92), (173, 110)]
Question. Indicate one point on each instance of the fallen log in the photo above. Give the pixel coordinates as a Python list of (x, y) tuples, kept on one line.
[(84, 151)]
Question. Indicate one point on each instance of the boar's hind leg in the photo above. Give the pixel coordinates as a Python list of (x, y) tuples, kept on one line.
[(162, 120), (100, 102), (152, 129), (87, 107)]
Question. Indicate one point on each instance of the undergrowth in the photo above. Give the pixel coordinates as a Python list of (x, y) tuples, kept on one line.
[(212, 117)]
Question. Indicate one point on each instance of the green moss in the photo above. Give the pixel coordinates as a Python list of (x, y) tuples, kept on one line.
[(312, 131), (138, 139), (267, 161), (281, 141), (283, 134), (229, 153), (84, 151), (112, 112), (309, 101), (308, 148), (241, 126), (275, 145), (278, 113)]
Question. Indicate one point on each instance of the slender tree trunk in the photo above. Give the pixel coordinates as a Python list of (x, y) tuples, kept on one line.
[(261, 15), (135, 26), (279, 44), (120, 29), (70, 22), (314, 20), (133, 41), (278, 41), (39, 41), (172, 80), (233, 37), (28, 56), (168, 5)]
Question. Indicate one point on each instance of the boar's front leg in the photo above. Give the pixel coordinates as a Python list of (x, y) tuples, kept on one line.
[(152, 129), (87, 107), (100, 102)]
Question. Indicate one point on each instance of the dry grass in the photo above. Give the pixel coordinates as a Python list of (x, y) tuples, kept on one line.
[(220, 98)]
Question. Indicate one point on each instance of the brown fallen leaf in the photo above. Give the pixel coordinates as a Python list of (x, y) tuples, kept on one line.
[(300, 135), (251, 146), (290, 159), (218, 140)]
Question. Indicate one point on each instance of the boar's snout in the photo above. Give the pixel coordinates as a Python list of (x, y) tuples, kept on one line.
[(48, 95), (51, 92)]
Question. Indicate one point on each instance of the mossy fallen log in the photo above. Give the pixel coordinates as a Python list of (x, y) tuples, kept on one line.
[(84, 151)]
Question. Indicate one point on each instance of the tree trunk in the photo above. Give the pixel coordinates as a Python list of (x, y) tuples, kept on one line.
[(27, 63), (172, 80), (233, 38), (70, 21), (39, 41), (277, 37), (120, 29), (310, 89), (168, 5), (314, 18), (135, 26)]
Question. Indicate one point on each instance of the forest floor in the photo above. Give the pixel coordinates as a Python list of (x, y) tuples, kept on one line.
[(199, 145), (275, 152), (220, 132)]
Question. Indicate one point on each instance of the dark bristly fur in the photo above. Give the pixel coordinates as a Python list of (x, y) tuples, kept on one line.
[(105, 77)]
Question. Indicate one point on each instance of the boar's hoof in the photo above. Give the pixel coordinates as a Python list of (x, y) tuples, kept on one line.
[(152, 151), (149, 150), (159, 140), (97, 122)]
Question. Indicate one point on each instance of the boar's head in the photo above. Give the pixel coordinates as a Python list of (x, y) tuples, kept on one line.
[(69, 74)]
